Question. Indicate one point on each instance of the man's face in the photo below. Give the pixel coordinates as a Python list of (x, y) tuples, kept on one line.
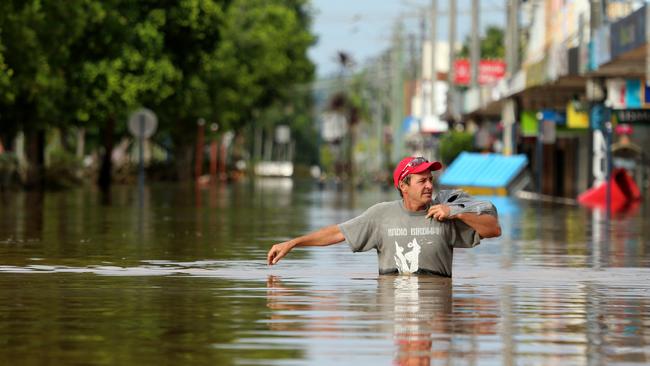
[(420, 190)]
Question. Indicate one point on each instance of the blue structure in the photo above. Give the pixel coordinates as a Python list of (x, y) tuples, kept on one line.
[(487, 174)]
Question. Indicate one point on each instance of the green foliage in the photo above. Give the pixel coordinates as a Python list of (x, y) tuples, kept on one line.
[(453, 143), (305, 136), (327, 159), (358, 96), (63, 170), (118, 64), (239, 62), (191, 35), (491, 44), (83, 62), (36, 43), (261, 56), (6, 94)]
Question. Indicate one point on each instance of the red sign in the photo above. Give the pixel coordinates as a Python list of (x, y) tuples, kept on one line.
[(489, 71)]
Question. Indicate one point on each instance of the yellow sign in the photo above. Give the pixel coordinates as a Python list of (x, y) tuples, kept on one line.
[(576, 115)]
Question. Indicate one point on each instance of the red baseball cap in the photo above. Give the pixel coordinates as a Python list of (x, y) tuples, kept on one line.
[(413, 165)]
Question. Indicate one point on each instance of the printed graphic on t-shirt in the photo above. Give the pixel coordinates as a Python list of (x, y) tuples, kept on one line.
[(407, 257), (402, 231), (407, 262)]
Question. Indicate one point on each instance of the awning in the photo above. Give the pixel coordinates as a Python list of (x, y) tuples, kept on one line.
[(490, 174)]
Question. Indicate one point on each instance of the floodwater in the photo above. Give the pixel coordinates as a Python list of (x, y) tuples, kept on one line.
[(179, 277)]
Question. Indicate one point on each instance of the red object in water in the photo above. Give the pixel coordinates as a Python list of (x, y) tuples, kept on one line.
[(624, 193)]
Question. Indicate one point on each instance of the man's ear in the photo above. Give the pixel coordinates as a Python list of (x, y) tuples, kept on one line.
[(402, 184)]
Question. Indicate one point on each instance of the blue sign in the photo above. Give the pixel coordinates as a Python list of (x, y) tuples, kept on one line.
[(600, 47), (629, 32), (633, 93), (555, 116), (598, 116)]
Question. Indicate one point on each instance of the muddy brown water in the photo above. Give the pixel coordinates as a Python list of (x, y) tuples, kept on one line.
[(182, 279)]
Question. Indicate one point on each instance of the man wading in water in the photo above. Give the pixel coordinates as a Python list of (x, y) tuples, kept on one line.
[(416, 234)]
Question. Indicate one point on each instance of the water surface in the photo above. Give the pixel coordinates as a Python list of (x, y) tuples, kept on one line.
[(182, 279)]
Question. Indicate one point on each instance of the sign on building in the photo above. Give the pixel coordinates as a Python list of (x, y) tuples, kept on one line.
[(489, 71)]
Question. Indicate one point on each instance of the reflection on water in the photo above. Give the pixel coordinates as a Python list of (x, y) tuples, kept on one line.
[(183, 280), (421, 310), (412, 313)]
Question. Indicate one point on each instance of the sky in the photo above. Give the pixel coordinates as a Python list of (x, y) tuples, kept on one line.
[(364, 28)]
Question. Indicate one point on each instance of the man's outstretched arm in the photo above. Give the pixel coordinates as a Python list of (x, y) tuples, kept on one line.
[(326, 236)]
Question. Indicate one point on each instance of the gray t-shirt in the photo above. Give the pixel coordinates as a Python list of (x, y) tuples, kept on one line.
[(409, 242)]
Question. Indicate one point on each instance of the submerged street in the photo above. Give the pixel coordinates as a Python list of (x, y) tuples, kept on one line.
[(99, 280)]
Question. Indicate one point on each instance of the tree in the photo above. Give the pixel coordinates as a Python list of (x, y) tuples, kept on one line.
[(491, 45), (117, 65), (453, 143), (192, 33), (237, 59), (89, 63), (6, 96), (262, 55), (35, 37)]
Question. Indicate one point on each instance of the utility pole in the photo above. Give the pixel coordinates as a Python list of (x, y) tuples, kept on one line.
[(396, 91), (647, 52), (596, 15), (475, 50), (413, 68), (420, 76), (451, 99), (509, 111), (375, 98), (423, 34), (434, 40), (512, 38)]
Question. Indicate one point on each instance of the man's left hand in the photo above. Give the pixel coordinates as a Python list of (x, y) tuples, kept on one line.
[(439, 212)]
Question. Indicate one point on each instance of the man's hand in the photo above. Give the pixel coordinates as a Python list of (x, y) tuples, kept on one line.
[(439, 212), (278, 251)]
